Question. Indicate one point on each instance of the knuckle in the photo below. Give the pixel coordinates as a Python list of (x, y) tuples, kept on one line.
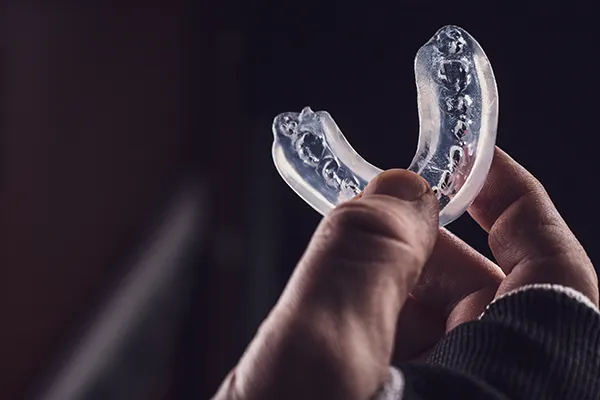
[(519, 221), (370, 231), (531, 229), (368, 218), (531, 212), (534, 185)]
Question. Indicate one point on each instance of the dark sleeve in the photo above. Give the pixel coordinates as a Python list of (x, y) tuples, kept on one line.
[(539, 342)]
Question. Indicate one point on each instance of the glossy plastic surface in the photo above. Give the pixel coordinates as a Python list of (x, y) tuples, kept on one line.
[(457, 103)]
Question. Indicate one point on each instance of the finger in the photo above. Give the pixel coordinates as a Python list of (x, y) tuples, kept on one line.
[(456, 285), (454, 271), (528, 237), (331, 333)]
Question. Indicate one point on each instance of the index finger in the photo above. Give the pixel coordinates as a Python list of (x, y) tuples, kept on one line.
[(507, 182), (527, 236)]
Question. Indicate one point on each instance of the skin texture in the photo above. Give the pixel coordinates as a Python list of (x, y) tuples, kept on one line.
[(380, 283)]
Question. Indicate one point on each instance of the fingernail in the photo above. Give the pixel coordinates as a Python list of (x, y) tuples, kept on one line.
[(399, 183)]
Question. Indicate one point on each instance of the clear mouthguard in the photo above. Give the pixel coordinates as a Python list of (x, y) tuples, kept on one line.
[(457, 103)]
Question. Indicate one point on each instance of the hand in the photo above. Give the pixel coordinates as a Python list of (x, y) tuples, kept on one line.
[(530, 242), (332, 333)]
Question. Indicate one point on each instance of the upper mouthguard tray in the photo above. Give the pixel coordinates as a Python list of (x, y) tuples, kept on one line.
[(457, 103)]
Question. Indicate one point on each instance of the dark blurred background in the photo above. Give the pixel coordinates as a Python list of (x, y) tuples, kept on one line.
[(145, 231)]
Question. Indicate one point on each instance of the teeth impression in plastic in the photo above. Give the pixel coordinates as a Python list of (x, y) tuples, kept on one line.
[(457, 102)]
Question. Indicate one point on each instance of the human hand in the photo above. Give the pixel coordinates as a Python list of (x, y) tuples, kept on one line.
[(530, 242), (332, 333)]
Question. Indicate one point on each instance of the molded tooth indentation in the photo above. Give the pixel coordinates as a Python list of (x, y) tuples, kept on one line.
[(456, 158), (460, 104), (462, 129), (329, 169), (450, 41), (310, 148), (349, 188), (454, 75), (349, 185), (286, 125), (446, 183)]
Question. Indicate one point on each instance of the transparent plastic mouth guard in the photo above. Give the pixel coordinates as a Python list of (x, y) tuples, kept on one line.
[(457, 102)]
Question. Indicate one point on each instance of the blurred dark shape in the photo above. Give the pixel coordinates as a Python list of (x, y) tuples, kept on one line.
[(95, 138), (126, 349), (118, 121)]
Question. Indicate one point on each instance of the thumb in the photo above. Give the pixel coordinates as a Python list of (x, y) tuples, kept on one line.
[(331, 333)]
